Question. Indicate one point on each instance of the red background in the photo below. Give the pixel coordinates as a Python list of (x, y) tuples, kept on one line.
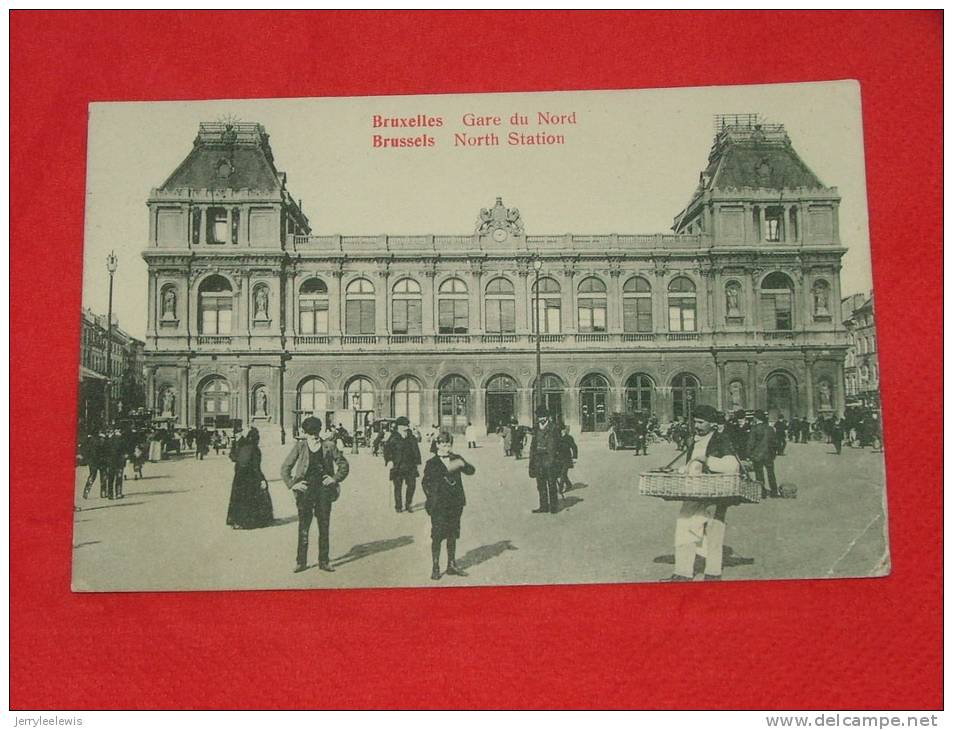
[(783, 644)]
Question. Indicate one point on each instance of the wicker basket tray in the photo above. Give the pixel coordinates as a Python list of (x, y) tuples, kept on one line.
[(729, 487)]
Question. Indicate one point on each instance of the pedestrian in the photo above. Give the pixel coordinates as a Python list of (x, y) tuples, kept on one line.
[(314, 471), (700, 526), (470, 435), (781, 431), (115, 457), (443, 485), (517, 440), (93, 456), (403, 453), (568, 453), (507, 440), (837, 434), (640, 436), (249, 505), (544, 461), (761, 450), (138, 457)]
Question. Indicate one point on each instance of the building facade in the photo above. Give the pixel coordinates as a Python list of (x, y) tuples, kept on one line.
[(126, 370), (861, 372), (253, 318)]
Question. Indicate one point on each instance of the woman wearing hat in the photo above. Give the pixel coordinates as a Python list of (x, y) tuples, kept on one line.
[(443, 485), (250, 503), (700, 526)]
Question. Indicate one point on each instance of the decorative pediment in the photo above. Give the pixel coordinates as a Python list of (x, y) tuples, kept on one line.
[(499, 218)]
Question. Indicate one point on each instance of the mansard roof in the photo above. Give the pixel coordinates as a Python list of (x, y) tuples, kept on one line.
[(241, 150)]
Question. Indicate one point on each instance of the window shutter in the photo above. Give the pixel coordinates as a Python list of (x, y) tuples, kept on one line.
[(462, 318), (400, 317), (367, 318), (644, 315), (352, 319), (493, 316), (414, 326), (630, 314), (508, 316), (445, 321), (768, 315)]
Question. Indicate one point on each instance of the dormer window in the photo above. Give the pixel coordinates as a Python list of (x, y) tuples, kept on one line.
[(217, 225), (773, 224)]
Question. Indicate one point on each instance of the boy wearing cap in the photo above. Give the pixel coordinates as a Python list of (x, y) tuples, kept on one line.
[(314, 471), (443, 485), (403, 453), (700, 527)]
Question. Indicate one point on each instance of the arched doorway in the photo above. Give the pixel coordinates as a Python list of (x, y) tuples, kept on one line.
[(215, 403), (593, 403), (684, 395), (638, 394), (781, 395), (313, 401), (454, 404), (360, 399), (406, 400), (551, 393), (500, 401)]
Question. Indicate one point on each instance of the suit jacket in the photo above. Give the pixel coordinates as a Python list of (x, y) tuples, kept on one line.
[(295, 465), (719, 445), (445, 490), (404, 455), (544, 451), (761, 443)]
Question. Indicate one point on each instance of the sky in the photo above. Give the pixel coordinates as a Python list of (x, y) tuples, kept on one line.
[(629, 164)]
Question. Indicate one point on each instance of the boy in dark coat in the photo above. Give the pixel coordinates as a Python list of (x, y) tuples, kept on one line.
[(443, 485)]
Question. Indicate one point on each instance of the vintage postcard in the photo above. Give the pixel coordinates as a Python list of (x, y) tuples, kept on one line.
[(469, 340)]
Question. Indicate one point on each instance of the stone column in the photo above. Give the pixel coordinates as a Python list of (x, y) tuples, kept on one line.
[(524, 303), (289, 318), (474, 284), (568, 285), (762, 230), (335, 305), (525, 412), (571, 409), (615, 301), (839, 388), (754, 399), (184, 416), (478, 415), (809, 385), (278, 377), (660, 303), (152, 306), (746, 224), (428, 309), (151, 388), (753, 313), (244, 396), (382, 298), (720, 384)]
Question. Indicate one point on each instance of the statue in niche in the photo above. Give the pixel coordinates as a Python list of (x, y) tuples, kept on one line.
[(261, 303), (168, 303), (168, 402), (824, 394), (261, 402), (821, 299), (736, 395), (733, 297)]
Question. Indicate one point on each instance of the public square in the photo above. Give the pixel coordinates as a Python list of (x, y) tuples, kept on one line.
[(169, 531)]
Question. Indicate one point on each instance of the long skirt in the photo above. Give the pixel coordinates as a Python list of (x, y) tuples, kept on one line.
[(249, 505)]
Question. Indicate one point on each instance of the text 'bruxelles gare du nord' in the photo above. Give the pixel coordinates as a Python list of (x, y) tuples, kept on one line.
[(473, 121)]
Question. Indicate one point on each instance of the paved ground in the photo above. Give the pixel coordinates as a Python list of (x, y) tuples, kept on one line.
[(169, 532)]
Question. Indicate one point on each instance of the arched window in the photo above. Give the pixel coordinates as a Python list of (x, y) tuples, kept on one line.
[(637, 305), (359, 395), (406, 399), (359, 308), (684, 395), (313, 308), (406, 308), (312, 399), (592, 305), (682, 305), (639, 389), (453, 308), (550, 306), (551, 392), (215, 306), (777, 294), (500, 306)]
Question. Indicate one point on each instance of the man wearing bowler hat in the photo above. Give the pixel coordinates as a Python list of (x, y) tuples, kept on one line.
[(403, 453), (544, 463), (700, 527)]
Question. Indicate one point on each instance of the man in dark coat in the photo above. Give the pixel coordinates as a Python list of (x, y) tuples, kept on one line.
[(443, 485), (93, 455), (700, 527), (517, 439), (781, 432), (641, 437), (115, 458), (568, 452), (837, 434), (544, 461), (403, 453), (761, 451)]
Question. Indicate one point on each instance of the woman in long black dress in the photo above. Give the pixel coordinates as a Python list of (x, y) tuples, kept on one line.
[(250, 503)]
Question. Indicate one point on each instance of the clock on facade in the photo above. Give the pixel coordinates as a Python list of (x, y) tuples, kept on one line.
[(499, 235)]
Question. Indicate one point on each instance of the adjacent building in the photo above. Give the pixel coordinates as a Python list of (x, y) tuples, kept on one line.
[(125, 364), (861, 374), (251, 317)]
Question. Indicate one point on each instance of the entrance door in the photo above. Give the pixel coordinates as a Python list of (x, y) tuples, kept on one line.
[(551, 396), (780, 396), (500, 402), (594, 394), (454, 404), (215, 404)]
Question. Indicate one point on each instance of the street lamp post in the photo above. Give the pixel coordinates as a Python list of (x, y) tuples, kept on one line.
[(355, 402), (537, 265), (111, 264)]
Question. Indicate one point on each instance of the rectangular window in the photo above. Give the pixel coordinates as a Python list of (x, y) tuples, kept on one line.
[(681, 315), (359, 317), (406, 317), (592, 316), (216, 225), (637, 314), (550, 317), (453, 316), (500, 316)]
